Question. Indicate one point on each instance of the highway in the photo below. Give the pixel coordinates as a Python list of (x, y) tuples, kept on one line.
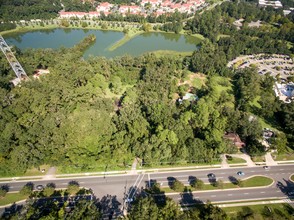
[(121, 187)]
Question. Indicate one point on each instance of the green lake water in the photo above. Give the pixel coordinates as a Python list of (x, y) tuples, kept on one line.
[(147, 42)]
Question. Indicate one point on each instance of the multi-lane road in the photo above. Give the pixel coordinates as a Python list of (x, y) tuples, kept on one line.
[(122, 187)]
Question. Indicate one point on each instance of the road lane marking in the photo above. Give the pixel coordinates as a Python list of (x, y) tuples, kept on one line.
[(246, 193), (262, 192), (229, 194), (63, 183), (252, 171), (11, 187), (213, 196)]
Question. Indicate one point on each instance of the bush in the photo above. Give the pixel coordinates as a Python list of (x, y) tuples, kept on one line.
[(27, 189), (198, 184), (178, 186), (73, 187)]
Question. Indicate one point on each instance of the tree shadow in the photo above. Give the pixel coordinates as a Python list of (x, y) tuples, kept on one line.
[(233, 180), (170, 181), (12, 210), (5, 188), (287, 188), (52, 185), (153, 188), (192, 180), (109, 206), (73, 182), (30, 185), (187, 199), (212, 181)]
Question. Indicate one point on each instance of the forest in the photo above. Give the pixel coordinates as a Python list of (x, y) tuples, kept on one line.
[(100, 113)]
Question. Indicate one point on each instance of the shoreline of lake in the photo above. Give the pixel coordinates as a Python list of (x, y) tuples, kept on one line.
[(133, 33)]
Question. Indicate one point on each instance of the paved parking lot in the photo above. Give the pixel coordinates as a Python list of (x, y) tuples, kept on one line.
[(274, 64)]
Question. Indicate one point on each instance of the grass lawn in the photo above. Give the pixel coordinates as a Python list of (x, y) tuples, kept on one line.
[(37, 172), (251, 182), (258, 159), (282, 208), (11, 198), (170, 53), (236, 160), (292, 178), (257, 181), (286, 156)]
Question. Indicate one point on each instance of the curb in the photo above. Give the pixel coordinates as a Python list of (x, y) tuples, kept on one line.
[(10, 204)]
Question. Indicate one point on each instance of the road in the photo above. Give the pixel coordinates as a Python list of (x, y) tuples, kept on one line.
[(122, 187)]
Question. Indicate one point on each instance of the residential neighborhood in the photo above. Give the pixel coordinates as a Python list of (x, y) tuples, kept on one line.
[(145, 8)]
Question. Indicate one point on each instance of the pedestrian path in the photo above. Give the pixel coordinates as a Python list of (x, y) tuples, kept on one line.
[(50, 173), (224, 163), (246, 157), (269, 159)]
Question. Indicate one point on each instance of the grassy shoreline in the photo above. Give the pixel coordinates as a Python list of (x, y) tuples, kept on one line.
[(127, 37)]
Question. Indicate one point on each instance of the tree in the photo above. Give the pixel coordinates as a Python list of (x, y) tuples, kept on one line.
[(212, 212), (49, 190), (144, 208), (73, 187), (220, 184), (177, 186), (27, 189), (198, 184), (3, 191)]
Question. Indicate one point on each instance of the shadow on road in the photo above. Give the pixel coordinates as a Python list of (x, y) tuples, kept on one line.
[(287, 188), (153, 188), (187, 199), (109, 206)]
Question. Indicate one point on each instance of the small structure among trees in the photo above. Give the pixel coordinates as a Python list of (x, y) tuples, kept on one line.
[(235, 139)]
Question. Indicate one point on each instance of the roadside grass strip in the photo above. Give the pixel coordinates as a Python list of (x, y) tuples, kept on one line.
[(283, 209), (11, 198), (256, 181), (292, 177), (236, 160)]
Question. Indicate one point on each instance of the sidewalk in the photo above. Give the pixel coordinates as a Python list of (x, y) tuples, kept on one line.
[(269, 159), (246, 157), (133, 171), (224, 163)]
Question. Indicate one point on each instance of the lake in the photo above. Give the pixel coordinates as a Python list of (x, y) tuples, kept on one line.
[(146, 42)]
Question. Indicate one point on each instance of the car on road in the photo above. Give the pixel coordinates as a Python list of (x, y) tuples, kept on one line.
[(39, 187), (266, 167), (240, 173), (211, 175)]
